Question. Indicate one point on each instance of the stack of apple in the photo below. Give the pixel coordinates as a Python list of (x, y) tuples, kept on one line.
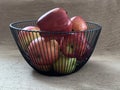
[(56, 42)]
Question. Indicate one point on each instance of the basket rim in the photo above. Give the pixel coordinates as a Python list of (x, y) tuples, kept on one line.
[(11, 25)]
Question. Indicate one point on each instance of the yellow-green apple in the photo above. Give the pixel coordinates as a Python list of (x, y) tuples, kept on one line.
[(25, 37), (65, 65), (74, 45), (43, 52), (78, 23), (55, 20)]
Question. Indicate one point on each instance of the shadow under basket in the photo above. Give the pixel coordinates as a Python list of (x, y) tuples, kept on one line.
[(55, 53)]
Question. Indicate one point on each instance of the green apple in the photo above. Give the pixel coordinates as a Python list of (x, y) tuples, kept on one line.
[(65, 65)]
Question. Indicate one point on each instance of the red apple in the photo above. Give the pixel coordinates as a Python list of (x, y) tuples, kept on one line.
[(83, 48), (55, 20), (86, 55), (78, 23), (54, 36), (74, 45), (43, 52), (26, 37), (44, 68)]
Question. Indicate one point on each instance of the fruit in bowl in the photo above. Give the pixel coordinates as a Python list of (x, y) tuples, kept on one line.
[(74, 45), (43, 52), (53, 36), (64, 65), (55, 20), (57, 34), (25, 37), (78, 23), (44, 68)]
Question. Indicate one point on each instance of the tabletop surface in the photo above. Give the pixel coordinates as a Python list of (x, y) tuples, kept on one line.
[(102, 72)]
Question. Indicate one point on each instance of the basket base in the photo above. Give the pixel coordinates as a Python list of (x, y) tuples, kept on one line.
[(53, 73), (80, 63)]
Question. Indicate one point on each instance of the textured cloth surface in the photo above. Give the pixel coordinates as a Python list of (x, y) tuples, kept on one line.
[(102, 72)]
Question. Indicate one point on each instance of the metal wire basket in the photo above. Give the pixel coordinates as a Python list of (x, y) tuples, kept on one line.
[(55, 53)]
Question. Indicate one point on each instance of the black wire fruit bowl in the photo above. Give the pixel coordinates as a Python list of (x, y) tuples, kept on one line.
[(55, 53)]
